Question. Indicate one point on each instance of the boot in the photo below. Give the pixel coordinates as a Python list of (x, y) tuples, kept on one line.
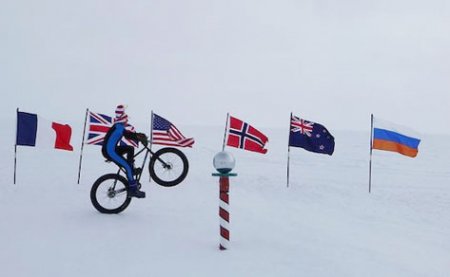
[(134, 190)]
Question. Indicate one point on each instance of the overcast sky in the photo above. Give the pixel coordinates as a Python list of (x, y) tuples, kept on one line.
[(333, 62)]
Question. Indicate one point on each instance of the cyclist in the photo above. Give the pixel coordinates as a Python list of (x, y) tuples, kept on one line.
[(113, 151)]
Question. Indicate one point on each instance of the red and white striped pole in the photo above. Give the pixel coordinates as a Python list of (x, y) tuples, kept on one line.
[(224, 213), (224, 163)]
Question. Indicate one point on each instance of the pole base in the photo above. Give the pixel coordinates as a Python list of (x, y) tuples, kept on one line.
[(231, 174)]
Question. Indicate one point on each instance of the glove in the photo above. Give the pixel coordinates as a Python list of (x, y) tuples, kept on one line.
[(142, 138)]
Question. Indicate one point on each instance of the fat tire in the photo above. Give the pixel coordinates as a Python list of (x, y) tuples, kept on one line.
[(160, 154), (97, 184)]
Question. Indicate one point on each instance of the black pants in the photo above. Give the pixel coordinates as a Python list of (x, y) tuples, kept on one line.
[(128, 150)]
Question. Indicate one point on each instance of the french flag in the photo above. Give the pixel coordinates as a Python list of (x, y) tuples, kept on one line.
[(33, 130), (388, 136)]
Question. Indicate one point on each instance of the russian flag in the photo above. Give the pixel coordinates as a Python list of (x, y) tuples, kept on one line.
[(388, 136), (33, 130)]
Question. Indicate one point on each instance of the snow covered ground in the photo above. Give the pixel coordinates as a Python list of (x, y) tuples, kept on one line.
[(325, 224)]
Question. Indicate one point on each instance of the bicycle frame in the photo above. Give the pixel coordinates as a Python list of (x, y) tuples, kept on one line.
[(138, 176), (167, 167)]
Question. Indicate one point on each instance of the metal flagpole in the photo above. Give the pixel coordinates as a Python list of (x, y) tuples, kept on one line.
[(289, 151), (371, 143), (82, 146), (151, 143), (225, 133), (151, 131), (15, 145)]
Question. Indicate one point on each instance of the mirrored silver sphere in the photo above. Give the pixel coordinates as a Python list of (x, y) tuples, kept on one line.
[(224, 162)]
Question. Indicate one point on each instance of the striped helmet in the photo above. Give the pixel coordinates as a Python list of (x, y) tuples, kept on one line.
[(121, 116)]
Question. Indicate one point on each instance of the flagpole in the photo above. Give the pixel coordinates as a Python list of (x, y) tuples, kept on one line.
[(289, 151), (151, 143), (370, 161), (151, 130), (82, 146), (15, 145), (225, 133)]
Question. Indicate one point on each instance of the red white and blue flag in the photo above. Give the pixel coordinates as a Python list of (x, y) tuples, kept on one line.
[(243, 135), (35, 131), (99, 125), (165, 133)]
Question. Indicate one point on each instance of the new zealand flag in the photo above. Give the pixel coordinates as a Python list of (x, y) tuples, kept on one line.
[(311, 136)]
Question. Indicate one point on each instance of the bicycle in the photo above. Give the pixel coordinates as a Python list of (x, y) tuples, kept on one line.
[(167, 167)]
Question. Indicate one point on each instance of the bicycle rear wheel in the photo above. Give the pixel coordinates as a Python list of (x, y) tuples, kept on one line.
[(168, 167), (109, 194)]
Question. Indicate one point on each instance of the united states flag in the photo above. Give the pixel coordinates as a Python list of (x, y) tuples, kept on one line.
[(99, 125), (165, 133)]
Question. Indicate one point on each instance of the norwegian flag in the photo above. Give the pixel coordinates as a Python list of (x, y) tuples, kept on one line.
[(165, 133), (99, 125), (243, 135)]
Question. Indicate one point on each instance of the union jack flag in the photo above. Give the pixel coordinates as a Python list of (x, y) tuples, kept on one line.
[(243, 135), (99, 125), (165, 133), (302, 126)]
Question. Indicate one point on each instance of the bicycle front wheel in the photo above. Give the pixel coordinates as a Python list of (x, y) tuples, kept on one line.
[(168, 167), (109, 194)]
